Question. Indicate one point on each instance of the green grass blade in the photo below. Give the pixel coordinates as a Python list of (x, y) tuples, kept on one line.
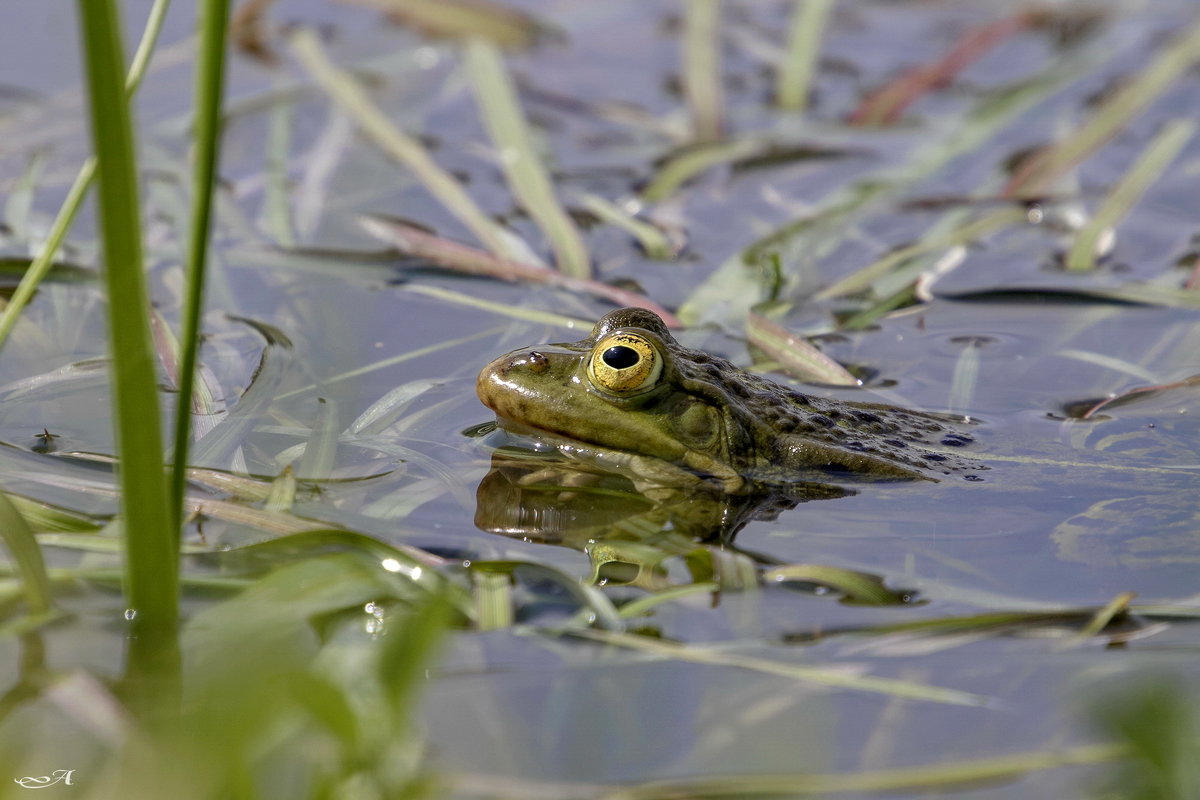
[(151, 534), (857, 587), (803, 48), (527, 176), (961, 235), (210, 78), (1149, 166), (653, 241), (689, 163), (702, 67), (22, 545), (794, 353), (66, 214), (1037, 173), (346, 92)]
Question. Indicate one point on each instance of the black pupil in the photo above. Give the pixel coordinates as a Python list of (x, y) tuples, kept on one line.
[(620, 357)]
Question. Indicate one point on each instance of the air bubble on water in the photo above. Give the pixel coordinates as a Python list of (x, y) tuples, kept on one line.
[(130, 614)]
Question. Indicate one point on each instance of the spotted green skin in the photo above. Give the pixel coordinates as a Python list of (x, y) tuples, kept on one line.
[(707, 420)]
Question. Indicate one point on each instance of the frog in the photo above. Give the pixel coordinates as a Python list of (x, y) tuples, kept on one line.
[(631, 397)]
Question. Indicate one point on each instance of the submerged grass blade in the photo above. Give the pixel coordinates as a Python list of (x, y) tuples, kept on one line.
[(210, 79), (1039, 171), (701, 69), (826, 676), (527, 176), (151, 533), (1148, 167), (347, 93), (799, 358), (27, 555), (959, 774), (320, 450), (803, 49), (83, 181), (283, 492)]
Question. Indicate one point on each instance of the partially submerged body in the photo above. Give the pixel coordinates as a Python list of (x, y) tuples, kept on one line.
[(630, 397)]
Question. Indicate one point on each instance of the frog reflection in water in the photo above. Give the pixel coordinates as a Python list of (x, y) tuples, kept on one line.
[(648, 435), (632, 398)]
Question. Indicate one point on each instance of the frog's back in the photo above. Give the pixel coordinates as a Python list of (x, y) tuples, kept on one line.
[(775, 431)]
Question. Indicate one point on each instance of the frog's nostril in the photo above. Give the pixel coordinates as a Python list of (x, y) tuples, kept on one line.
[(537, 361)]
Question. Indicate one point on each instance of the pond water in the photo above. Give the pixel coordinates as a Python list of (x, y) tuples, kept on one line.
[(312, 321)]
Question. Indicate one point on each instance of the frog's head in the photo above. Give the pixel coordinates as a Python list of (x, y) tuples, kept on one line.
[(619, 389)]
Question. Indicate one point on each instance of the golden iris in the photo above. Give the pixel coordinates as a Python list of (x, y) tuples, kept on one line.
[(624, 363)]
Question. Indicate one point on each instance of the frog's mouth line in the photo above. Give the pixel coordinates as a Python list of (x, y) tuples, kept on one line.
[(550, 437)]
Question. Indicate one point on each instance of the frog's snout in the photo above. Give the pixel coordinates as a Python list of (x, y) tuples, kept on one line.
[(499, 378)]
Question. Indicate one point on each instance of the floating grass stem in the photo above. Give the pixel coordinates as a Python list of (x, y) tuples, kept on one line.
[(210, 78), (413, 241), (527, 176), (702, 68), (1149, 166), (151, 533), (803, 49)]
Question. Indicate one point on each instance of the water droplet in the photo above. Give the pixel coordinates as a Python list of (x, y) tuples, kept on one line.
[(130, 614)]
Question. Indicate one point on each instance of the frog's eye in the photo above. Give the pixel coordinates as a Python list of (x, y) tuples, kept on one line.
[(624, 363)]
